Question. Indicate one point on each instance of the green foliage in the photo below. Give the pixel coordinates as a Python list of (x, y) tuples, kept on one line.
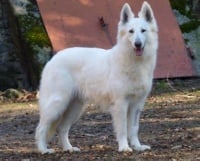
[(184, 7), (37, 36), (12, 93), (162, 85), (33, 37), (180, 6), (189, 26), (33, 30)]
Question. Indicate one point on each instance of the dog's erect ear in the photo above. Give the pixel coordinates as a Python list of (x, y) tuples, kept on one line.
[(146, 12), (126, 13)]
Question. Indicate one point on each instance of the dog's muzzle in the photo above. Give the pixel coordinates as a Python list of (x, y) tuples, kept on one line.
[(138, 48)]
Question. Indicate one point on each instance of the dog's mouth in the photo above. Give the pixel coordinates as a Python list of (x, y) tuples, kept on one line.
[(138, 51)]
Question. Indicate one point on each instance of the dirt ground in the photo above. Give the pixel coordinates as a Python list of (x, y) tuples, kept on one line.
[(170, 123)]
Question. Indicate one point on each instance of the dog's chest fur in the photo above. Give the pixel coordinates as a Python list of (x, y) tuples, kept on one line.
[(132, 81)]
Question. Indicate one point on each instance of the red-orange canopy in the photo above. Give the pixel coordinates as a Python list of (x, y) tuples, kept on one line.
[(76, 23)]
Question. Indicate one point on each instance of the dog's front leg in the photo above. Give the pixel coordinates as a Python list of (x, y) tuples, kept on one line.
[(119, 115), (133, 127)]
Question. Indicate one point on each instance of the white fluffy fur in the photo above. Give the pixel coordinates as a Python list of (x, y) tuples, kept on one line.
[(118, 79)]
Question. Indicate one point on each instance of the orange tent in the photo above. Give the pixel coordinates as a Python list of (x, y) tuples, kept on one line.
[(79, 23)]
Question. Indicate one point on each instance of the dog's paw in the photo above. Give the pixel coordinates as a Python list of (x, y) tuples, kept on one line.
[(125, 149), (48, 151), (72, 149), (142, 147)]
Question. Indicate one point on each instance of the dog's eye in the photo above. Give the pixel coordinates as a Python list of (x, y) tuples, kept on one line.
[(143, 30), (131, 31)]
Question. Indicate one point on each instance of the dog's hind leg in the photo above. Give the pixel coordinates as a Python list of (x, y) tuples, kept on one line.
[(49, 115), (41, 138), (71, 115)]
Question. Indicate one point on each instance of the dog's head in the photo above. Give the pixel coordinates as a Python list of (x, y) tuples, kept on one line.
[(137, 30)]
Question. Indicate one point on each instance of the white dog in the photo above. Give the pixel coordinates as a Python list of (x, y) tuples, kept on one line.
[(118, 79)]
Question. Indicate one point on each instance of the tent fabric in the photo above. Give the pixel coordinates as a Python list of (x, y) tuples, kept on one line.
[(93, 23)]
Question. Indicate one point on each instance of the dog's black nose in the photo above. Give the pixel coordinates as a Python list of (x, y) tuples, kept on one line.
[(138, 44)]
